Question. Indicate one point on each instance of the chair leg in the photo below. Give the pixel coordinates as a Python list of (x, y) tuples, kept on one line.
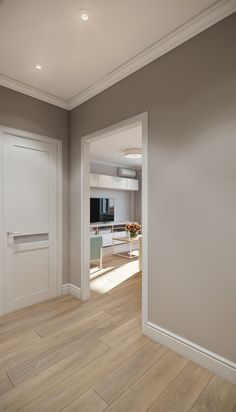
[(101, 255)]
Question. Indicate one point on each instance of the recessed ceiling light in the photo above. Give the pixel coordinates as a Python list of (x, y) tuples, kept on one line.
[(84, 15), (38, 66), (133, 153)]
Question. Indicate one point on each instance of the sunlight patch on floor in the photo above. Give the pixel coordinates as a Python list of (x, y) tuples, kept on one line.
[(96, 271), (106, 279)]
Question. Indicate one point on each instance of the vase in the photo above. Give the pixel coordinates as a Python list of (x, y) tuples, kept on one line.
[(133, 235)]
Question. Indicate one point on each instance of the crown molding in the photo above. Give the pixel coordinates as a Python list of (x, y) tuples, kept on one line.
[(210, 16), (213, 14), (33, 92)]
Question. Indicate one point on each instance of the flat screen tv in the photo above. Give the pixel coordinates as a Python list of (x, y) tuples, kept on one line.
[(101, 209)]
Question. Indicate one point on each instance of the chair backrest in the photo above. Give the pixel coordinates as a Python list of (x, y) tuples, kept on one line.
[(96, 243)]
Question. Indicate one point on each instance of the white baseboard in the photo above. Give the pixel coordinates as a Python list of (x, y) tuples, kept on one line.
[(66, 289), (70, 289), (209, 360)]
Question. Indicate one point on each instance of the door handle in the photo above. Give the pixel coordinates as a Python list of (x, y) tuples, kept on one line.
[(11, 236), (14, 233)]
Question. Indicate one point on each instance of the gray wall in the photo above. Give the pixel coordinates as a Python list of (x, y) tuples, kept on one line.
[(190, 94), (26, 113)]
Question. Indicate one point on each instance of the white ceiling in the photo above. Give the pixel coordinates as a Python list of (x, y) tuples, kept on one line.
[(110, 149), (81, 59)]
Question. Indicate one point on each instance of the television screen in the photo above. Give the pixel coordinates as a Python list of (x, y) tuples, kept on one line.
[(101, 210)]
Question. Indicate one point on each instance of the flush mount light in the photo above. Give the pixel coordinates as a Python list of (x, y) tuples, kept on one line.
[(37, 66), (133, 153), (84, 15)]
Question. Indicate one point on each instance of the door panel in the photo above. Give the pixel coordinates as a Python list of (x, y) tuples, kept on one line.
[(30, 220), (30, 272), (27, 171)]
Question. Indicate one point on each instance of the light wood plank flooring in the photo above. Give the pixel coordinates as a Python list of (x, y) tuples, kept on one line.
[(65, 355)]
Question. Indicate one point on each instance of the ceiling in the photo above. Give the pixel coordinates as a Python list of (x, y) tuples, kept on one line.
[(110, 149), (80, 59)]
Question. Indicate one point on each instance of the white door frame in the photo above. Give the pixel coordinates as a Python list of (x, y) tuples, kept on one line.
[(40, 138), (85, 205)]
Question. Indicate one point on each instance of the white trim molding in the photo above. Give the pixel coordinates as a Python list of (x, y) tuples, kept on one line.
[(141, 119), (1, 226), (207, 359), (202, 21), (208, 17), (33, 92), (69, 289)]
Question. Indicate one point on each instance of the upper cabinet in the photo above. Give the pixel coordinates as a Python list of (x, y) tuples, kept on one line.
[(93, 179), (113, 182), (119, 183), (132, 184), (106, 181)]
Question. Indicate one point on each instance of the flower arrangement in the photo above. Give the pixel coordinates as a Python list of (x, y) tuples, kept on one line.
[(132, 229)]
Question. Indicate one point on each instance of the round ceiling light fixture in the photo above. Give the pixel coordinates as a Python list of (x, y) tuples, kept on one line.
[(84, 15), (38, 66), (133, 153)]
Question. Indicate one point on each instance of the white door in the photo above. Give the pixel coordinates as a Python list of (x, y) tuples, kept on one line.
[(30, 212)]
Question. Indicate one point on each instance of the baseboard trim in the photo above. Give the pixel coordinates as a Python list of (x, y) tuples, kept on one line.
[(207, 359), (69, 289)]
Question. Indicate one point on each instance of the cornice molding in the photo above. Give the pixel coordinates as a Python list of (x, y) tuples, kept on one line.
[(210, 16), (33, 92), (213, 14)]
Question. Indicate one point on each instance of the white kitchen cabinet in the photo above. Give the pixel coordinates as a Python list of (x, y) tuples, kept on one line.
[(113, 182), (119, 183), (132, 184), (106, 181), (93, 180)]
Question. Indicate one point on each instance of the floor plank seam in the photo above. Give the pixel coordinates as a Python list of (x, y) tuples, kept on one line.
[(13, 385), (166, 388), (61, 360), (100, 396), (69, 376), (37, 333), (136, 380), (77, 397), (59, 382), (109, 346), (202, 391), (124, 370)]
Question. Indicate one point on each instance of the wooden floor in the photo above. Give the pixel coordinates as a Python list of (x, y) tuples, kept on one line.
[(72, 356)]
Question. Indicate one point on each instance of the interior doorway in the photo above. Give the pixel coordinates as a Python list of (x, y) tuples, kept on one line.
[(108, 203)]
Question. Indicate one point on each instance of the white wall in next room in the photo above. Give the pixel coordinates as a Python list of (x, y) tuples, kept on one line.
[(124, 200)]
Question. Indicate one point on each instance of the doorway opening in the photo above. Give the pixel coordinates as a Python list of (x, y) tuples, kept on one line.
[(114, 193)]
